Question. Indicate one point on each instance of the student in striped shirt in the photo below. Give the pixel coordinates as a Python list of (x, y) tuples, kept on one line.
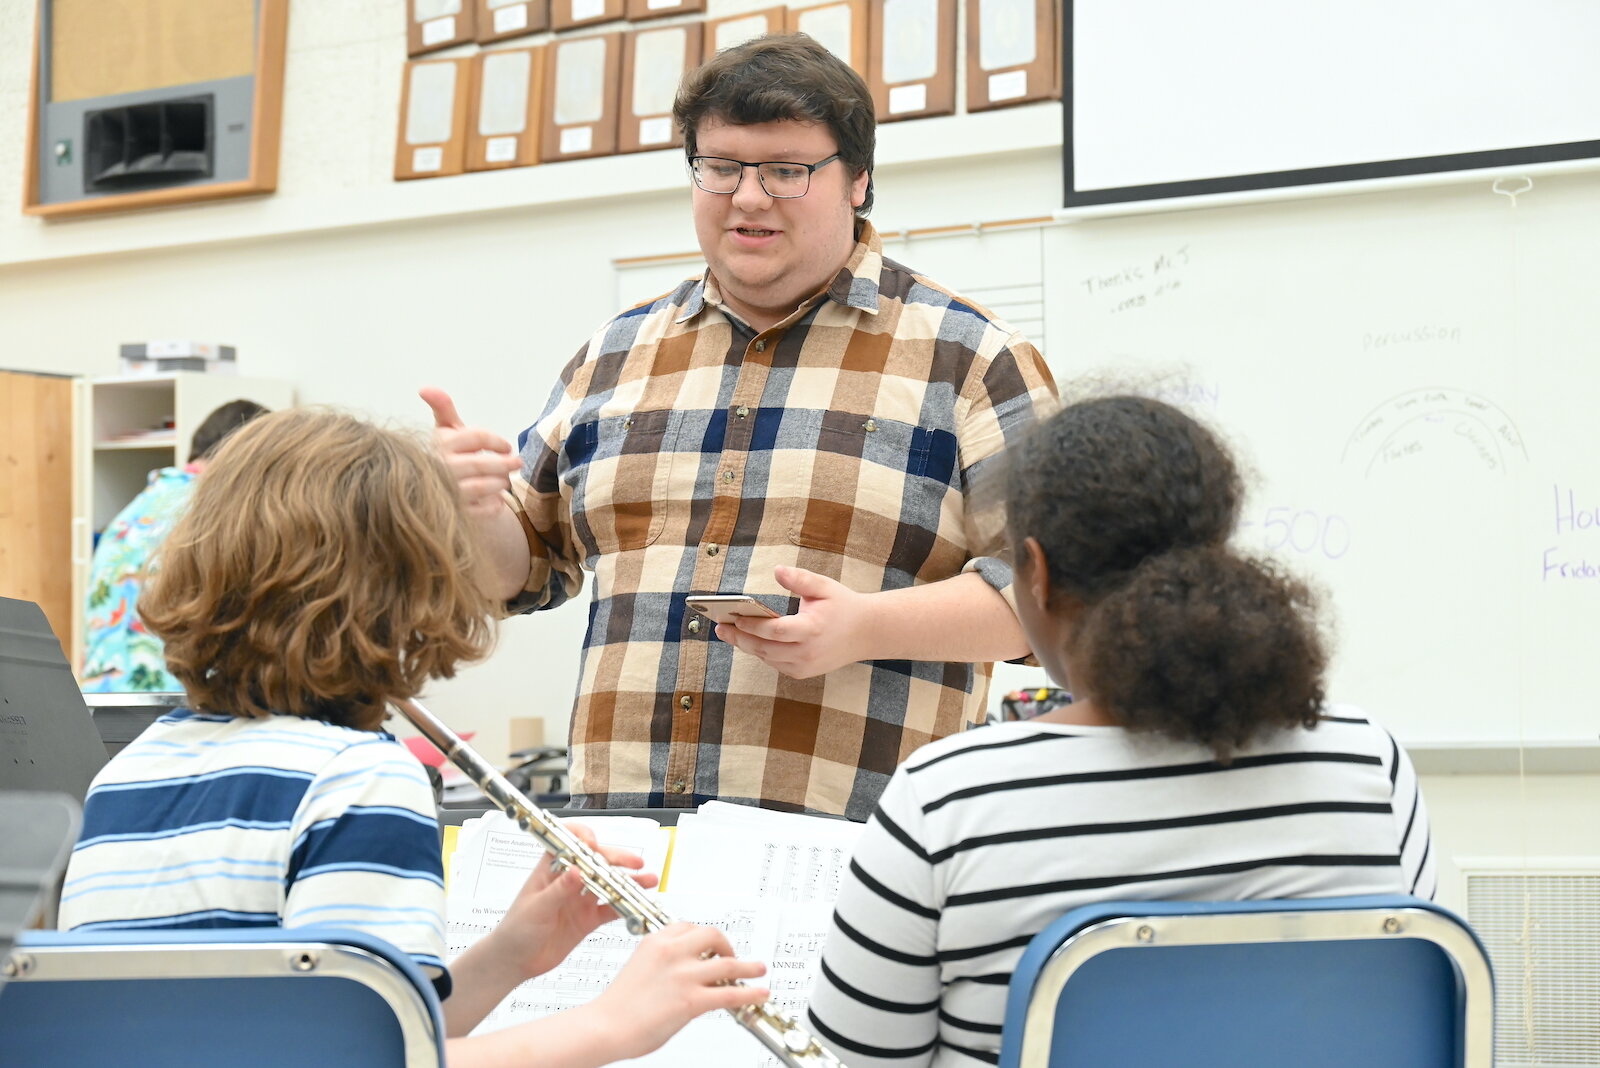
[(325, 567), (1199, 760)]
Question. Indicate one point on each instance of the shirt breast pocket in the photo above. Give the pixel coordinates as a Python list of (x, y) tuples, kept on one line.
[(615, 470), (882, 491)]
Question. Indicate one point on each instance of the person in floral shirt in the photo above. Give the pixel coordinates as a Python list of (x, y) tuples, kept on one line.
[(119, 654)]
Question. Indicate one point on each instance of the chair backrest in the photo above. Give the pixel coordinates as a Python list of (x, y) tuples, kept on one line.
[(47, 739), (1389, 980), (37, 831), (311, 997)]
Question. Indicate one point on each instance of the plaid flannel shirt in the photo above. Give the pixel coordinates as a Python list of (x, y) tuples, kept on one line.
[(682, 453)]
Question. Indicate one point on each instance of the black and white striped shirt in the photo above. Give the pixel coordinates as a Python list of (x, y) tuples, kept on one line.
[(983, 838)]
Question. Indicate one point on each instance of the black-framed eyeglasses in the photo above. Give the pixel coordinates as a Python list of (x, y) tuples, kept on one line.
[(785, 181)]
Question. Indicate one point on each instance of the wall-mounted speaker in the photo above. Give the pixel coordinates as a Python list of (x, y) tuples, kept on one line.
[(140, 103)]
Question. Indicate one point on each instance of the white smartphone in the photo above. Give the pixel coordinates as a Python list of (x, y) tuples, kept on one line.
[(724, 607)]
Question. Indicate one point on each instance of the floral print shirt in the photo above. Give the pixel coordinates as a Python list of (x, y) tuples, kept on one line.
[(119, 654)]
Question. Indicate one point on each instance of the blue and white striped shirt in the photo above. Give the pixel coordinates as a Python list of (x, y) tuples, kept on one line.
[(215, 821)]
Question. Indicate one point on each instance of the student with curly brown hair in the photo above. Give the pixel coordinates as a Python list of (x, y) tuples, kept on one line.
[(1198, 761), (323, 568)]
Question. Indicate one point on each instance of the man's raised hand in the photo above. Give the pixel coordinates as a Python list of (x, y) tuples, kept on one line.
[(480, 460)]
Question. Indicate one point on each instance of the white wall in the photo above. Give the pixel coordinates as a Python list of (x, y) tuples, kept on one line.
[(358, 290)]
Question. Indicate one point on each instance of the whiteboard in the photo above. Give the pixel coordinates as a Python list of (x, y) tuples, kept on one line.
[(1173, 99), (1407, 378)]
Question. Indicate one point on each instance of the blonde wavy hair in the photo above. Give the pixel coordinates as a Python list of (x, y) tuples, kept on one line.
[(323, 566)]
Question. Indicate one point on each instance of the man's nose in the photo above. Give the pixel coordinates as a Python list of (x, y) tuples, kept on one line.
[(749, 193)]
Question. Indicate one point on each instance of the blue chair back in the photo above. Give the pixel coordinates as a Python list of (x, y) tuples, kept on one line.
[(1319, 983), (311, 997)]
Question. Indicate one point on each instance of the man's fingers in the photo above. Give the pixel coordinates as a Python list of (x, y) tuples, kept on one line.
[(468, 441), (444, 409), (773, 630), (479, 475)]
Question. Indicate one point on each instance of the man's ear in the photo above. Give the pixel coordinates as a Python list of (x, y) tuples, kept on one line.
[(858, 189)]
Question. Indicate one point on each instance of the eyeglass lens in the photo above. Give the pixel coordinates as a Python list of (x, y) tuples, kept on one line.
[(778, 179)]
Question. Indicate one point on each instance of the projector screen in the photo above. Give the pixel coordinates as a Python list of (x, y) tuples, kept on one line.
[(1170, 98)]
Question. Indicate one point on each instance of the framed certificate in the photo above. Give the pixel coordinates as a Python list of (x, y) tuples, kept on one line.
[(640, 10), (734, 30), (499, 20), (840, 26), (433, 118), (581, 76), (1011, 52), (913, 59), (566, 14), (435, 24), (503, 124), (653, 63)]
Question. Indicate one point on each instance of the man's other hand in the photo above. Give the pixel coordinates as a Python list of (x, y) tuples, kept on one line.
[(480, 460)]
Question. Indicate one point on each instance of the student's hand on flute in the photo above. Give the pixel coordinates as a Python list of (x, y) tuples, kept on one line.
[(553, 912), (676, 974)]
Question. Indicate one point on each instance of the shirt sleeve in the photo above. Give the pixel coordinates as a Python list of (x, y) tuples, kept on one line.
[(555, 573), (1014, 390), (876, 999), (366, 853), (1417, 863)]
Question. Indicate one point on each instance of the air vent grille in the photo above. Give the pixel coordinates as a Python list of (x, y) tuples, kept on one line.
[(1542, 931)]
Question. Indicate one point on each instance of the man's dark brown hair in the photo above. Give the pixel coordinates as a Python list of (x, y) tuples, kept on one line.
[(778, 77)]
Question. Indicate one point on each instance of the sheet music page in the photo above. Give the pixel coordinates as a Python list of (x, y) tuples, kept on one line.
[(768, 880), (494, 857), (773, 855)]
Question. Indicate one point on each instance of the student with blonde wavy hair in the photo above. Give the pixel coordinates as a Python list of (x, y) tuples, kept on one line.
[(324, 568)]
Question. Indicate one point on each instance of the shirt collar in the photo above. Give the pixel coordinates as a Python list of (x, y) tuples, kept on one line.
[(855, 286)]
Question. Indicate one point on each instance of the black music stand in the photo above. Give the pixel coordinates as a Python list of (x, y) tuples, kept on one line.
[(38, 830), (48, 740)]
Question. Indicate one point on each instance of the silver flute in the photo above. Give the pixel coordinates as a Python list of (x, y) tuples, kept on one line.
[(792, 1044)]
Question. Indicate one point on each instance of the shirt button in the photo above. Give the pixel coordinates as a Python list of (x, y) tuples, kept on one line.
[(694, 626), (870, 425), (727, 476), (712, 550), (679, 786), (742, 411), (686, 702)]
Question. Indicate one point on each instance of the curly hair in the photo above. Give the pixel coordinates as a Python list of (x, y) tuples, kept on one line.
[(1180, 634), (782, 76), (323, 567)]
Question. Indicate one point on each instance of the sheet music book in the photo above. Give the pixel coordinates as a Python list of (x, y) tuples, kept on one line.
[(767, 880)]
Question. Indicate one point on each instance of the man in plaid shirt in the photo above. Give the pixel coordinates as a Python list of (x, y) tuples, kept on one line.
[(805, 423)]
